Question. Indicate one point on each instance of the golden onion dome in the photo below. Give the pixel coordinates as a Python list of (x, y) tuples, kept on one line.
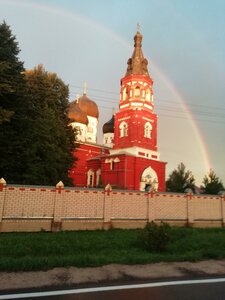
[(76, 114), (88, 106), (81, 108)]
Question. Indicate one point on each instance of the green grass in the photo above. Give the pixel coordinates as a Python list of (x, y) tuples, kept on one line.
[(45, 250)]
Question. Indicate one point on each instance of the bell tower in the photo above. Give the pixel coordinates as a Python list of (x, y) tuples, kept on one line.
[(136, 122), (133, 161)]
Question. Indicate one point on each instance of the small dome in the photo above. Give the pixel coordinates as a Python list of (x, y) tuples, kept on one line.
[(88, 106), (108, 127), (76, 115)]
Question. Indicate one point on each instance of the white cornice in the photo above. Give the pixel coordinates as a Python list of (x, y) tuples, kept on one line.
[(135, 151)]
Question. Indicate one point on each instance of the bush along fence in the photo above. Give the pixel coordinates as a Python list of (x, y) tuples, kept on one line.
[(35, 208)]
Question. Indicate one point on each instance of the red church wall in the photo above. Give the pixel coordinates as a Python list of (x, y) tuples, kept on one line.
[(136, 121), (129, 83), (157, 166), (79, 172), (109, 175), (94, 165), (127, 173), (114, 174)]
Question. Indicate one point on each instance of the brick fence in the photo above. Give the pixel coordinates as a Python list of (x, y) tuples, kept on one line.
[(34, 208)]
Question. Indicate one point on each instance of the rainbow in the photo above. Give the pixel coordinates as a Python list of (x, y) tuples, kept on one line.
[(200, 140), (83, 20)]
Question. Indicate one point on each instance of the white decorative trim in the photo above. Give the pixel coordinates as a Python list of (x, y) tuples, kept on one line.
[(123, 129), (91, 134), (124, 105), (90, 178), (149, 179), (148, 106), (108, 139), (98, 175), (147, 130), (147, 119), (126, 118), (137, 104), (116, 160), (111, 161), (135, 150)]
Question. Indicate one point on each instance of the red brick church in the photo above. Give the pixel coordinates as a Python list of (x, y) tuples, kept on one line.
[(129, 157)]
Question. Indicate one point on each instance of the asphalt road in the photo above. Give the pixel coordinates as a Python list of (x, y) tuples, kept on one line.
[(207, 289)]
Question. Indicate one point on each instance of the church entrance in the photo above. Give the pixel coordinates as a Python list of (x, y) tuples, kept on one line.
[(149, 180)]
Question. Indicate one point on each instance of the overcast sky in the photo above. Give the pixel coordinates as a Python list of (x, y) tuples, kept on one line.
[(183, 40)]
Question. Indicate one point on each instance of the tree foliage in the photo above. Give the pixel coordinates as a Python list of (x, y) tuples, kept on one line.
[(36, 143), (52, 137), (180, 180), (212, 184), (14, 109)]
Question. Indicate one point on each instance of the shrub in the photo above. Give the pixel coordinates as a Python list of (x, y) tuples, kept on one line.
[(155, 237)]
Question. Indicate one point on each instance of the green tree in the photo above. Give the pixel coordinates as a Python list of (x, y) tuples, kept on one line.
[(53, 140), (212, 184), (180, 180), (14, 109), (36, 143)]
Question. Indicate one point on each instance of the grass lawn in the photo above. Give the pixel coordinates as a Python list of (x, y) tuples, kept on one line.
[(45, 250)]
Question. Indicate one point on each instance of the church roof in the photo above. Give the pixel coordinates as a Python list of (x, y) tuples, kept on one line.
[(108, 127), (137, 64), (88, 106), (81, 108), (76, 114)]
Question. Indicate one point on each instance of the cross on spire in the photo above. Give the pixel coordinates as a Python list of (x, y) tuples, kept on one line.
[(85, 88), (137, 64), (138, 27)]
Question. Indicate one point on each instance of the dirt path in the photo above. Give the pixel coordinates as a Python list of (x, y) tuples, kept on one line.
[(76, 276)]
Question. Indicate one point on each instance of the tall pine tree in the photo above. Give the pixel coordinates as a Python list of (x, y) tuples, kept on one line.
[(212, 184), (14, 110), (180, 180)]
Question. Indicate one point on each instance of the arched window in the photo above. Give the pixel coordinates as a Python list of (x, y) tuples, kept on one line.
[(98, 177), (90, 178), (125, 93), (149, 180), (147, 130), (123, 129), (148, 95), (137, 91)]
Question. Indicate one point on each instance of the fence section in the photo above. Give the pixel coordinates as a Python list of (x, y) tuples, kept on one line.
[(32, 208)]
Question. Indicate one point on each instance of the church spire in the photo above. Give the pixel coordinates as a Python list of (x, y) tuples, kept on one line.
[(85, 88), (138, 27), (137, 64)]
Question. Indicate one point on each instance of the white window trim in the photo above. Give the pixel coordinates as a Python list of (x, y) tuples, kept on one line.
[(147, 130), (123, 129)]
